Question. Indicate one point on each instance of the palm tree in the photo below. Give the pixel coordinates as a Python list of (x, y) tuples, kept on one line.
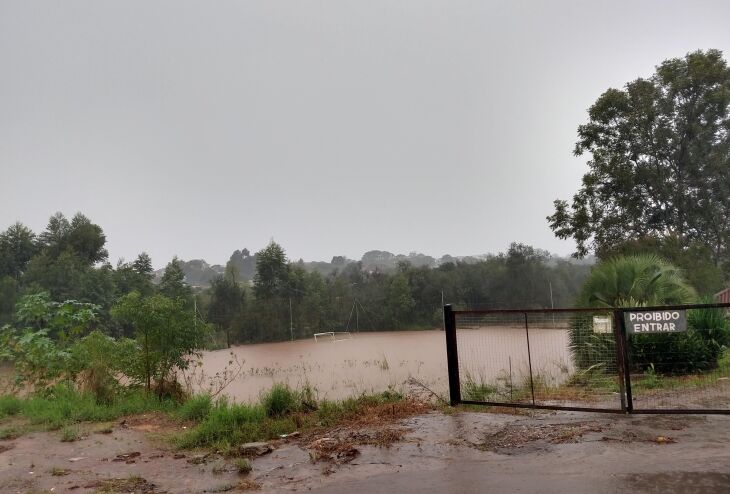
[(626, 281), (634, 281)]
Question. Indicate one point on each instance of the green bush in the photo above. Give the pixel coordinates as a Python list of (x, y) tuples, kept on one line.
[(196, 407), (226, 424), (645, 280), (61, 405), (280, 400), (10, 405), (697, 349)]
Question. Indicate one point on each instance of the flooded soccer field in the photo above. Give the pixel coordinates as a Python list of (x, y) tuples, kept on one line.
[(378, 361)]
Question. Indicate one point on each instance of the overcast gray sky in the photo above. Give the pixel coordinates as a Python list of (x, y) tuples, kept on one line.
[(336, 127)]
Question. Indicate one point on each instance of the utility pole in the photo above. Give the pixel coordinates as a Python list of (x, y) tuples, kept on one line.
[(552, 304), (357, 318), (443, 314), (195, 312), (291, 321)]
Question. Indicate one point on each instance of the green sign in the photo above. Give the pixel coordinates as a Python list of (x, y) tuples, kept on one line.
[(656, 321)]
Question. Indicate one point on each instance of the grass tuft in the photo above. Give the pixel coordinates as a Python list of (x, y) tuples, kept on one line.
[(9, 433), (10, 405), (70, 433), (196, 408), (280, 400), (243, 466)]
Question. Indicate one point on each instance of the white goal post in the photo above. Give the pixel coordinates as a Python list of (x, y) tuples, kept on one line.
[(333, 335)]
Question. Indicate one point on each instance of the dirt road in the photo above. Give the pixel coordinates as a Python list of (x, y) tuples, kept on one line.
[(461, 453)]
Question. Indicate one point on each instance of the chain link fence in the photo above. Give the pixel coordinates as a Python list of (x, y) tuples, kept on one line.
[(640, 359)]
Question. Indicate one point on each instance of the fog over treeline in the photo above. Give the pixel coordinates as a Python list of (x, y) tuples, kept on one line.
[(265, 296), (199, 273)]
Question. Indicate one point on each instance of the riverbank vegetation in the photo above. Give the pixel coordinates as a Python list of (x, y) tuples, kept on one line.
[(217, 424), (277, 299)]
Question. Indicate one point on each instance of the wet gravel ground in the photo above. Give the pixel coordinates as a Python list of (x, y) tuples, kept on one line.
[(465, 452)]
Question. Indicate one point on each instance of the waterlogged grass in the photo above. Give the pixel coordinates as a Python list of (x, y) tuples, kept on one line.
[(280, 400), (62, 406), (230, 424), (595, 384), (196, 408), (218, 424), (227, 424), (652, 381)]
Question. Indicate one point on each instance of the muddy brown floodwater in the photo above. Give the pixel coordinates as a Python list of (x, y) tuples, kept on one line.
[(371, 362)]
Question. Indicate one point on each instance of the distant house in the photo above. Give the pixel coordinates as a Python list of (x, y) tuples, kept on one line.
[(723, 297)]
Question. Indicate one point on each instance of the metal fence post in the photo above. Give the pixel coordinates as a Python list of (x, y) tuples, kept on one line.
[(626, 366), (620, 357), (529, 359), (452, 356)]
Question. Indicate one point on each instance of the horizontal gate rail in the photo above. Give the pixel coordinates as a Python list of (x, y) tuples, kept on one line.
[(543, 407)]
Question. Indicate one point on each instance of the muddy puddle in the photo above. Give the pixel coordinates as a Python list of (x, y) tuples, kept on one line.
[(537, 452)]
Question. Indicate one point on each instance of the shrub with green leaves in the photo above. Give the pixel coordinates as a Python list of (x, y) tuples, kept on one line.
[(280, 400), (196, 407), (166, 336), (61, 405), (227, 424), (40, 346), (646, 280)]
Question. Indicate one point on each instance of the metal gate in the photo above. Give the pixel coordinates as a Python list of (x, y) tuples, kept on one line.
[(591, 359)]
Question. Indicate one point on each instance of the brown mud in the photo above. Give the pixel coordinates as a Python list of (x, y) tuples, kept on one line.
[(536, 452)]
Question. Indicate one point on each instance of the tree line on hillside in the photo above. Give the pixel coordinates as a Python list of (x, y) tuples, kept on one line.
[(198, 273), (285, 300), (68, 261)]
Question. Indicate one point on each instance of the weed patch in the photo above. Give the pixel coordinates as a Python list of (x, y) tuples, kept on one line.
[(196, 408), (243, 466)]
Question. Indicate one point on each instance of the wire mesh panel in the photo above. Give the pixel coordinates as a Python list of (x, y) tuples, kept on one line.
[(493, 357), (574, 359), (686, 367), (551, 358), (666, 359)]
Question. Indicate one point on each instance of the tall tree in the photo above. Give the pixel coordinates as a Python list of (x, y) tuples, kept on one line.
[(660, 160), (135, 276), (143, 265), (244, 262), (87, 240), (17, 247), (166, 334), (226, 304), (55, 237), (80, 236), (173, 283), (272, 272)]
